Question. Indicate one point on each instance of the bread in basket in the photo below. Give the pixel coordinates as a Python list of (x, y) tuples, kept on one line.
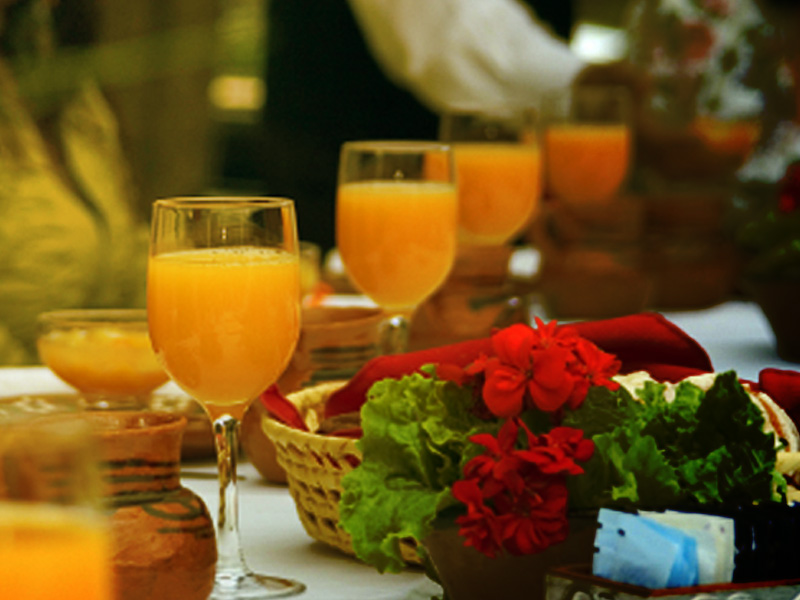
[(315, 465)]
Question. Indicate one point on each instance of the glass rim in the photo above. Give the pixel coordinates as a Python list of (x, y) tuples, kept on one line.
[(490, 111), (219, 201), (396, 146), (93, 315)]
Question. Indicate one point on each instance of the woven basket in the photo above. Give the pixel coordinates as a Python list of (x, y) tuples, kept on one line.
[(315, 465)]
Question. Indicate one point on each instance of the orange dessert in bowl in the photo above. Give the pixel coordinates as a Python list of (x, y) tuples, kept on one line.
[(103, 352)]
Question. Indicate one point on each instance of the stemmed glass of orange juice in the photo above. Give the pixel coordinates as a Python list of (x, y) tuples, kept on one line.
[(587, 142), (396, 224), (55, 539), (499, 169), (223, 303)]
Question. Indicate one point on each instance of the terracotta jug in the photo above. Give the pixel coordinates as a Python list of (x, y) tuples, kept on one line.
[(163, 535), (478, 296)]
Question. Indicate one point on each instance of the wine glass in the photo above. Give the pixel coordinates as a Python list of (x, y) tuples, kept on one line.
[(55, 538), (587, 141), (499, 168), (223, 303), (396, 225), (104, 353)]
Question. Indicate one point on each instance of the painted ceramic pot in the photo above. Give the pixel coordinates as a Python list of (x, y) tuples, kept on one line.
[(164, 541), (478, 296)]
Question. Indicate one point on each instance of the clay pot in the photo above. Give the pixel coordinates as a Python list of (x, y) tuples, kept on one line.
[(478, 296), (592, 259), (688, 252), (334, 344), (163, 536), (466, 574)]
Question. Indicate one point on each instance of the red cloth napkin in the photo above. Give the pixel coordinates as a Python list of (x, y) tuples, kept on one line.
[(645, 341), (783, 387), (279, 407)]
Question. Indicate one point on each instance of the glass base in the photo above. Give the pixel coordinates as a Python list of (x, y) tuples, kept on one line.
[(254, 587)]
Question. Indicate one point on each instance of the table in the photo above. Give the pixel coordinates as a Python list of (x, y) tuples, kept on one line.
[(735, 334)]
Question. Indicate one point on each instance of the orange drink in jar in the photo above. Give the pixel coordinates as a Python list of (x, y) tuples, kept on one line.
[(586, 162), (223, 302), (396, 225), (499, 168), (499, 186), (100, 351), (397, 237), (55, 537), (49, 551), (587, 143), (224, 321)]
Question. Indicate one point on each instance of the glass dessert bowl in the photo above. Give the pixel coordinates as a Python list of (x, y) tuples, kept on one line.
[(100, 352)]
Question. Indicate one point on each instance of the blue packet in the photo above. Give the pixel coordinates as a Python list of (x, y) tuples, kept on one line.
[(633, 549), (715, 541)]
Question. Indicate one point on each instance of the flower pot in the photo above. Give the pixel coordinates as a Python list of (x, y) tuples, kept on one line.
[(478, 296), (779, 303), (163, 537), (466, 574)]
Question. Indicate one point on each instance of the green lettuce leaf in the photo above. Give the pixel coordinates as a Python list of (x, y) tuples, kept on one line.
[(415, 440), (700, 447)]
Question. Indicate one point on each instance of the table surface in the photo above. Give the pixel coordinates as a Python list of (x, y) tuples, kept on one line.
[(735, 334)]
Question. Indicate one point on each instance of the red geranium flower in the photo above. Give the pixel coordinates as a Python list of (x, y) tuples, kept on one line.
[(515, 497), (479, 527), (498, 468), (453, 373), (556, 452), (551, 382), (545, 368), (515, 490), (536, 521), (593, 367)]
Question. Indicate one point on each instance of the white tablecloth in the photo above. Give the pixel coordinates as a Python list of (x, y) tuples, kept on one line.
[(735, 334)]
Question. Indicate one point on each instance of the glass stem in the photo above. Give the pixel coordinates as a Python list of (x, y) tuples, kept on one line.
[(230, 561), (395, 333)]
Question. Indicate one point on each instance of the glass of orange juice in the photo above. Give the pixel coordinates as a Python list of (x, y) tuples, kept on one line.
[(223, 302), (499, 169), (587, 143), (54, 539), (396, 225), (103, 353)]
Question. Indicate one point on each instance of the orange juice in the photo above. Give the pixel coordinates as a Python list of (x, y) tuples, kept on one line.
[(586, 162), (499, 186), (52, 552), (737, 138), (108, 360), (397, 238), (224, 321)]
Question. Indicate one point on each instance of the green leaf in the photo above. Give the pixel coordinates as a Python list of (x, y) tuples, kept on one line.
[(703, 447), (416, 434)]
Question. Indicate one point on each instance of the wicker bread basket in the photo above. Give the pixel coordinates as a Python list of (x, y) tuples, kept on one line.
[(315, 465)]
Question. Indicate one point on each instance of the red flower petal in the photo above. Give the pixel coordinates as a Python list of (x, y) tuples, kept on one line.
[(551, 384), (503, 391), (452, 373), (513, 345)]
